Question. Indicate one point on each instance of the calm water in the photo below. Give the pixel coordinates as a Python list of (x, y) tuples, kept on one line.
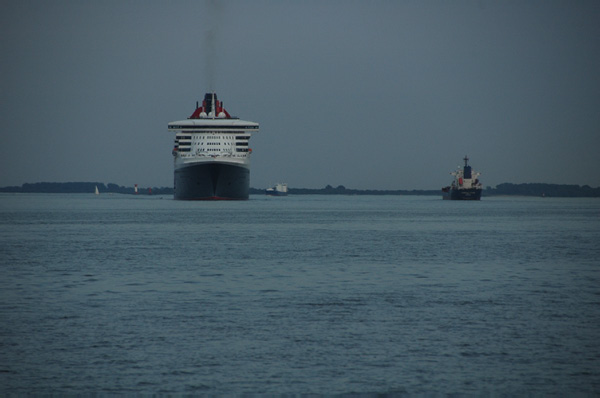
[(303, 294)]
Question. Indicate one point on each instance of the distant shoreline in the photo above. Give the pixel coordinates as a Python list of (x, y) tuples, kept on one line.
[(505, 189)]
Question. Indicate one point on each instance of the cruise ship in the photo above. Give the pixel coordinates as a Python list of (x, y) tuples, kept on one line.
[(212, 154), (465, 186)]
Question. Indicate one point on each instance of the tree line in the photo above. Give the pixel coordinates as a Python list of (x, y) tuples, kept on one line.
[(529, 189), (535, 189), (84, 187)]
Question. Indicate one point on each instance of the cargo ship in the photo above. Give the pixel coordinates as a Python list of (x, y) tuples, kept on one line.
[(212, 154), (277, 190), (465, 186)]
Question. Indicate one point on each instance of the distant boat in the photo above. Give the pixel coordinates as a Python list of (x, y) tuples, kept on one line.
[(97, 192), (466, 185), (277, 190)]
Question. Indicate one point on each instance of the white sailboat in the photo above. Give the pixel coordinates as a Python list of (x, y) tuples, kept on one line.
[(97, 192)]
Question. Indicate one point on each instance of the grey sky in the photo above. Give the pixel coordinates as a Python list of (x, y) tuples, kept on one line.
[(366, 94)]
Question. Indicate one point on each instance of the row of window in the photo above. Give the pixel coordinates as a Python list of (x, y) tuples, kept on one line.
[(212, 137), (212, 150), (188, 149), (187, 144), (204, 130), (216, 143)]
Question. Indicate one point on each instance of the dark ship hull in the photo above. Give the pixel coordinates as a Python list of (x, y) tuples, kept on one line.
[(212, 181), (272, 192), (463, 194)]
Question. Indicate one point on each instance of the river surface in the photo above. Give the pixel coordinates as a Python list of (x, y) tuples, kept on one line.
[(307, 294)]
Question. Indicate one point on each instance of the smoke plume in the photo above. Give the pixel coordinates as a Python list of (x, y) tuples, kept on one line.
[(214, 16)]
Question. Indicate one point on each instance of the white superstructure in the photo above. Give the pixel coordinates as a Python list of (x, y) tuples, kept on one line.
[(465, 178), (212, 140)]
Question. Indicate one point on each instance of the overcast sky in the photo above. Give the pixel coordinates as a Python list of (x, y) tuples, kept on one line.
[(365, 94)]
